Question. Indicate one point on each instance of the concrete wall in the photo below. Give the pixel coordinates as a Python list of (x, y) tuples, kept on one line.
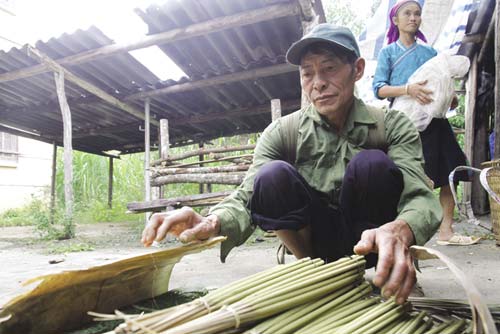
[(29, 177)]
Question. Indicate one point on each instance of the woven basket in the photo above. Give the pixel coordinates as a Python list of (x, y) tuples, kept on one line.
[(493, 178)]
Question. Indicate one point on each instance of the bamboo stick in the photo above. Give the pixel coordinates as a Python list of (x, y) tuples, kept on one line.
[(396, 326), (424, 327), (343, 315), (258, 306), (369, 316), (161, 320), (414, 323), (381, 321), (316, 309)]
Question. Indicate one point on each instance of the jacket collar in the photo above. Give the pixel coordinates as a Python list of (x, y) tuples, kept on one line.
[(357, 114)]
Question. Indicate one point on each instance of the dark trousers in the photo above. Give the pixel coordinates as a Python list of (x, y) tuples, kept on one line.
[(371, 189)]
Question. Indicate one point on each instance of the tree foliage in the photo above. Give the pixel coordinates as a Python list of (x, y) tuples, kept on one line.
[(341, 12)]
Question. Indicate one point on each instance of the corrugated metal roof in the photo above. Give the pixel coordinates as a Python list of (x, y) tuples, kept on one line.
[(31, 103)]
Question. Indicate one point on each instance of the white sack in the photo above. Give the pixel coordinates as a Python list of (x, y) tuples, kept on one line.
[(439, 73)]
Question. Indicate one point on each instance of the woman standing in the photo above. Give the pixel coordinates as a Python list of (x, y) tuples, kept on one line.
[(396, 63)]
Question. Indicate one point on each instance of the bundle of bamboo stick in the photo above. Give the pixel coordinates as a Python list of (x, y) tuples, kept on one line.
[(251, 299), (304, 297)]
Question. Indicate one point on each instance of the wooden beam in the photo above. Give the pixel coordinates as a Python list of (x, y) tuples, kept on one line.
[(12, 128), (218, 24), (497, 82), (217, 178), (68, 154), (194, 153), (82, 133), (193, 201), (242, 112), (286, 105), (86, 85), (244, 158), (218, 80), (199, 170)]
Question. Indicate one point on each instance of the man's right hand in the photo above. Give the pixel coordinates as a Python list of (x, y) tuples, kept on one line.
[(185, 223)]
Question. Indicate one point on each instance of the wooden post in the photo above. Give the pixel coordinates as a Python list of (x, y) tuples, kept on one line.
[(53, 183), (497, 81), (275, 109), (160, 189), (470, 104), (164, 138), (164, 144), (68, 154), (201, 157), (110, 183), (147, 149)]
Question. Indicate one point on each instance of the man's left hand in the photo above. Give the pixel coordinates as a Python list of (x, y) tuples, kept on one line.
[(395, 272)]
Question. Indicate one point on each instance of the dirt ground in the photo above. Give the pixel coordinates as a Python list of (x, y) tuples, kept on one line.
[(23, 255)]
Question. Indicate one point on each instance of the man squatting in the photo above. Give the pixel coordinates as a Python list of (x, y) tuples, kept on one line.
[(341, 192)]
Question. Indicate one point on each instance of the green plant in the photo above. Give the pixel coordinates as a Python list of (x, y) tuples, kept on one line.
[(90, 191), (15, 217)]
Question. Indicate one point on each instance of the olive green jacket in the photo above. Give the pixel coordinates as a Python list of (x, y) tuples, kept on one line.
[(321, 158)]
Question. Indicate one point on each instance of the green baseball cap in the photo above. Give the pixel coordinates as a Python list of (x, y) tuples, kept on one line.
[(326, 33)]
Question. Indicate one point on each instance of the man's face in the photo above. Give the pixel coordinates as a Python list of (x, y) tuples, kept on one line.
[(328, 82)]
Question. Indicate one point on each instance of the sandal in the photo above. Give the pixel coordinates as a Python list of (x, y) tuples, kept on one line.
[(459, 240), (280, 253)]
